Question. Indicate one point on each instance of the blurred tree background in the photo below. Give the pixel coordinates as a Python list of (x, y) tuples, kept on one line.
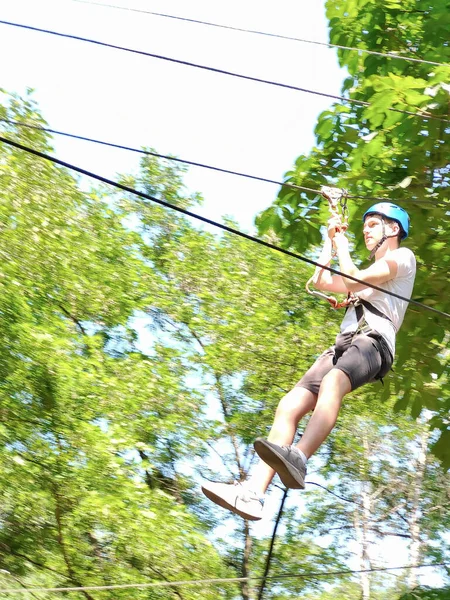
[(139, 353)]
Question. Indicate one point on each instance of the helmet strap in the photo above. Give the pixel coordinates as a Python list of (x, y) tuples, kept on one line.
[(384, 237)]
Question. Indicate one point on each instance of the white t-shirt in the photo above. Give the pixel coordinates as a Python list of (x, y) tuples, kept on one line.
[(390, 306)]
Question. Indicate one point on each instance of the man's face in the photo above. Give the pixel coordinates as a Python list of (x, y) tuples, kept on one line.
[(373, 231)]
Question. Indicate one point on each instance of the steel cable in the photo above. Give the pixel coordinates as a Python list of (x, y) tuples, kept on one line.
[(220, 71), (198, 164), (189, 213), (267, 34)]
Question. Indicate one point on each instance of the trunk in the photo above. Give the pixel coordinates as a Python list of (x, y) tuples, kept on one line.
[(225, 410), (361, 524), (233, 438), (63, 547), (245, 587), (415, 547), (362, 518)]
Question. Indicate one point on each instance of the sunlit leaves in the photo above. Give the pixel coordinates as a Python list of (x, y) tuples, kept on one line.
[(89, 424)]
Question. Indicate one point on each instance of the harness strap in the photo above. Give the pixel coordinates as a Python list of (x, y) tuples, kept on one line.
[(370, 307), (362, 325), (365, 328), (384, 237), (381, 242)]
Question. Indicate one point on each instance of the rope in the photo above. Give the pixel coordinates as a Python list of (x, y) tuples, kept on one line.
[(264, 33), (188, 213), (219, 71), (201, 165), (333, 493), (185, 583)]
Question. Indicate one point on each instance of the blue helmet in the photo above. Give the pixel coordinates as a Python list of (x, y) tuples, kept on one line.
[(391, 211)]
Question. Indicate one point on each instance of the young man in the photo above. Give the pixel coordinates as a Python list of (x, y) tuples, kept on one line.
[(363, 352)]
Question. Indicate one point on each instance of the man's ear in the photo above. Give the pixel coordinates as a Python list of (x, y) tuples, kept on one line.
[(395, 227)]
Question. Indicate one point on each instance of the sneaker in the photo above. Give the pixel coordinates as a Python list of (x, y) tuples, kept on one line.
[(285, 460), (235, 497)]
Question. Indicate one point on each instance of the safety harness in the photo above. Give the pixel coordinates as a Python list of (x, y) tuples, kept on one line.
[(360, 304), (363, 327), (337, 199)]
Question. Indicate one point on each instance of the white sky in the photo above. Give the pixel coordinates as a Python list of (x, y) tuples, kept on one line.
[(193, 114)]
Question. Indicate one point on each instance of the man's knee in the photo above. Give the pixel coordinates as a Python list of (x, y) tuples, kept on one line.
[(296, 403), (336, 381)]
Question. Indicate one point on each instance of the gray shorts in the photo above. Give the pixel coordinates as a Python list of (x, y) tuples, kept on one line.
[(363, 358)]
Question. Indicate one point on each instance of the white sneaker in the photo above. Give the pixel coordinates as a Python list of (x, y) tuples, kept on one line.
[(235, 497)]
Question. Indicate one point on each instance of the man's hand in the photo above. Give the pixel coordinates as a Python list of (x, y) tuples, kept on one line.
[(340, 241), (334, 225)]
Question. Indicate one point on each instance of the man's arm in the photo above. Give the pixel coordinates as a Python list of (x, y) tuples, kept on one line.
[(379, 272), (322, 279)]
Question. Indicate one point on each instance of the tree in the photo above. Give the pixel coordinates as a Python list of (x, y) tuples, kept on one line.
[(87, 487), (389, 487), (426, 593), (247, 379), (237, 312)]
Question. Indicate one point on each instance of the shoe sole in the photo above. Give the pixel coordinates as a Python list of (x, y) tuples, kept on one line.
[(289, 475), (224, 504)]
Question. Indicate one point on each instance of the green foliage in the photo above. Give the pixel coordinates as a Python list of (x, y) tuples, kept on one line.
[(103, 436), (308, 557), (424, 593), (89, 425), (257, 297), (376, 152)]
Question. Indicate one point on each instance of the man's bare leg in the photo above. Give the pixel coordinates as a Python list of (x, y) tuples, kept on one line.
[(292, 407), (335, 385)]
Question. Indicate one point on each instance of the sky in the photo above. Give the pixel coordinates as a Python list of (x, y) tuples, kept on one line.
[(193, 114)]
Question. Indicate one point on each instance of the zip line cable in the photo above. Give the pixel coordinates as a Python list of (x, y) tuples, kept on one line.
[(319, 485), (220, 71), (187, 582), (215, 223), (267, 34), (165, 156), (197, 164)]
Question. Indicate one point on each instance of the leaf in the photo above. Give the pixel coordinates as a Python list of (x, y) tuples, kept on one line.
[(268, 219), (324, 128), (405, 182), (403, 402), (442, 448), (417, 406)]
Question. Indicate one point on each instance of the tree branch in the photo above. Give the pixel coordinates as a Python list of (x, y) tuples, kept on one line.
[(74, 319), (211, 447), (21, 584), (62, 544), (31, 560), (174, 590), (246, 560)]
